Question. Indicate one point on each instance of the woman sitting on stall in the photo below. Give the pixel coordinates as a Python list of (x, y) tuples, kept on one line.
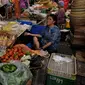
[(50, 37)]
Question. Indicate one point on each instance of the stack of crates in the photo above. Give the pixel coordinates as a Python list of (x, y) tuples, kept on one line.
[(61, 73)]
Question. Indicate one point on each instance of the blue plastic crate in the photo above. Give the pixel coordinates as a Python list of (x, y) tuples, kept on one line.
[(37, 29)]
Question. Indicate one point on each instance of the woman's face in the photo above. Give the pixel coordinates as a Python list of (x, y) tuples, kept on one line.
[(50, 21)]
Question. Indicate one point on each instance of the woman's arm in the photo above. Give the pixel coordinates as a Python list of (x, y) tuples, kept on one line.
[(30, 34)]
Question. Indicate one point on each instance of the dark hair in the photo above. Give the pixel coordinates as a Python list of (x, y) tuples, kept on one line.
[(53, 17)]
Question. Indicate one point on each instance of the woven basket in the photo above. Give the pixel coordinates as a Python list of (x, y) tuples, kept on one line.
[(78, 4), (78, 14), (77, 21), (78, 9)]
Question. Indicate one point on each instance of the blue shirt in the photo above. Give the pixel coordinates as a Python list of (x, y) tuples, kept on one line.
[(51, 35)]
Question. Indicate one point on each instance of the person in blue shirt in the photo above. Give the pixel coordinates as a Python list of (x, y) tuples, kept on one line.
[(50, 36)]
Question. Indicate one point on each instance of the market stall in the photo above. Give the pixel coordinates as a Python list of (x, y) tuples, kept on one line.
[(20, 63), (15, 59), (9, 31)]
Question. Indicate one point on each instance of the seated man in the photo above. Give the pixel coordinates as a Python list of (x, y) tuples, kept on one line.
[(50, 36)]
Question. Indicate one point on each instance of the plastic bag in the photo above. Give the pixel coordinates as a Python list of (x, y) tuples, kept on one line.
[(18, 77)]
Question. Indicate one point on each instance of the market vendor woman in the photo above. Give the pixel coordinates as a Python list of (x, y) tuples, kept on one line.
[(50, 36)]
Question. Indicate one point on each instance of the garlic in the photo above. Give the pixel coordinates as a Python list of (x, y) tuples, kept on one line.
[(25, 57)]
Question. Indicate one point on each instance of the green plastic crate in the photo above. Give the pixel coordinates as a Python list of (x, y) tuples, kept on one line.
[(55, 80)]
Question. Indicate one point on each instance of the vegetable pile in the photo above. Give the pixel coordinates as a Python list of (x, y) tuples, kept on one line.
[(16, 53)]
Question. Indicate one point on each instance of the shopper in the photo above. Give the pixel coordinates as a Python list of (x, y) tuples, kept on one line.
[(60, 14), (50, 36)]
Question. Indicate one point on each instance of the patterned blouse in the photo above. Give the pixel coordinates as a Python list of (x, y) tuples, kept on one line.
[(51, 35)]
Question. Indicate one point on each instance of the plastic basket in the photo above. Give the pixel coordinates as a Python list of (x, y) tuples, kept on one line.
[(64, 69), (55, 77)]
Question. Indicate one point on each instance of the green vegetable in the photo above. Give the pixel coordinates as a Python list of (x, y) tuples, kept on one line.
[(8, 68), (27, 53)]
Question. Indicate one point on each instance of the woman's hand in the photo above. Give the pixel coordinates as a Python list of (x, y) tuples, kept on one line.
[(47, 45)]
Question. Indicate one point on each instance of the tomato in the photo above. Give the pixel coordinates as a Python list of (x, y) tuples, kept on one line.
[(10, 53), (4, 60), (15, 49), (21, 54), (11, 58), (16, 58), (6, 57)]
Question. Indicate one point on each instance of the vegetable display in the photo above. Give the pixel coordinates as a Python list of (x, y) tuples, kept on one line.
[(17, 52), (13, 54)]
